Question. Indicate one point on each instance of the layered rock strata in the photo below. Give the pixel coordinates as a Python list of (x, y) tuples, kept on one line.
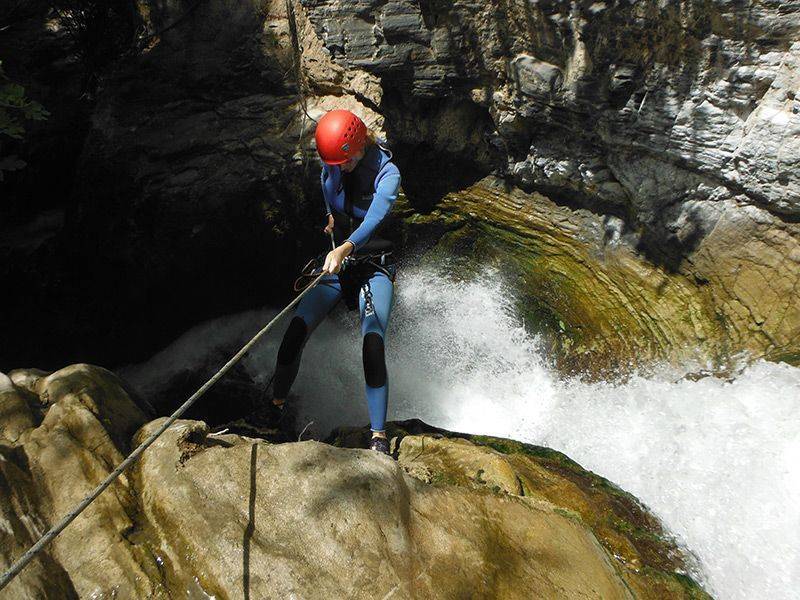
[(677, 124), (600, 305)]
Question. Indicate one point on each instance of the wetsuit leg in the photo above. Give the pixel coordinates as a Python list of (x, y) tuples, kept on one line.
[(375, 305), (309, 313)]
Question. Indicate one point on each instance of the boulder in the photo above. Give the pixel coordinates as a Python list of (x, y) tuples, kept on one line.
[(62, 442), (315, 521), (229, 515), (643, 553)]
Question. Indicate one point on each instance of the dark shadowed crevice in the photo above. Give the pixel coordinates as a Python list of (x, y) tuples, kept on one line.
[(439, 145)]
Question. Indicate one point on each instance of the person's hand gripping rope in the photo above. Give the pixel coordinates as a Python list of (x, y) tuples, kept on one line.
[(335, 259)]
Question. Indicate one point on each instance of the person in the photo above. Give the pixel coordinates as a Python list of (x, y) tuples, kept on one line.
[(360, 184)]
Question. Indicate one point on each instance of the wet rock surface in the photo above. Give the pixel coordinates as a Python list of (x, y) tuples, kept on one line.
[(69, 429), (195, 193), (647, 557), (705, 90), (233, 515), (577, 278), (676, 123)]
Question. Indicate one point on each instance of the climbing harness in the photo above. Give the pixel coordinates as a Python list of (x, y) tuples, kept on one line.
[(378, 262), (21, 562)]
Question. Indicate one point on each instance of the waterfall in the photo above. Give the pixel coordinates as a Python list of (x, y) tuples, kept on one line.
[(717, 461)]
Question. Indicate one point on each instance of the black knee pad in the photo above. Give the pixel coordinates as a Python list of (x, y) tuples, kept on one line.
[(374, 362), (292, 341)]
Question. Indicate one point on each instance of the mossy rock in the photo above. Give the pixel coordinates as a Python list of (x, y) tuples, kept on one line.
[(600, 306), (646, 556)]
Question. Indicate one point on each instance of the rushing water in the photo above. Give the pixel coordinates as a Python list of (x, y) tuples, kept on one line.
[(717, 461)]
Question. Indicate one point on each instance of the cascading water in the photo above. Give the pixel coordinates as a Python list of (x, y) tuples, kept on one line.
[(717, 461)]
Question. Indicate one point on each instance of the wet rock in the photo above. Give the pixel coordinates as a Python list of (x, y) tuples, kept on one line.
[(228, 515), (318, 521), (645, 555), (535, 77), (672, 118), (605, 307), (198, 173), (183, 164), (53, 455)]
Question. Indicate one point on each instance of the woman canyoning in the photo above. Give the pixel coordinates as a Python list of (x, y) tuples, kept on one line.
[(359, 186)]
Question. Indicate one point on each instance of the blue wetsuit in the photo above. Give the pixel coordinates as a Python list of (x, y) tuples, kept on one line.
[(363, 198)]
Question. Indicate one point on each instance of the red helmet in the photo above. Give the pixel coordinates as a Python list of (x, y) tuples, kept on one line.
[(340, 134)]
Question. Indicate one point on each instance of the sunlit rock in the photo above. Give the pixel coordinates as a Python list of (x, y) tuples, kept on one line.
[(58, 444), (229, 515), (602, 304)]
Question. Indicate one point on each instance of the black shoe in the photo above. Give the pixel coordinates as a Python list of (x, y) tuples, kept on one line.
[(379, 444), (288, 404)]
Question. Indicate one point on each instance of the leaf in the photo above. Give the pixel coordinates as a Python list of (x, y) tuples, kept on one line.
[(13, 93), (13, 131), (12, 163), (10, 126), (34, 110)]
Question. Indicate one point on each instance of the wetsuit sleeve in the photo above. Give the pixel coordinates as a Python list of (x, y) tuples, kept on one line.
[(385, 194), (327, 187)]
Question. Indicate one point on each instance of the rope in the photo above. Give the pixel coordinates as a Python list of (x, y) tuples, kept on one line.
[(297, 52), (48, 537), (308, 271)]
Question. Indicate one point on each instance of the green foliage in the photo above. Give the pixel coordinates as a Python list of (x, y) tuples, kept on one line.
[(15, 109)]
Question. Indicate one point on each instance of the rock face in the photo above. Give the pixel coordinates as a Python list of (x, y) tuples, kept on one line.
[(193, 157), (581, 280), (233, 516), (647, 559), (61, 435), (677, 123), (661, 102)]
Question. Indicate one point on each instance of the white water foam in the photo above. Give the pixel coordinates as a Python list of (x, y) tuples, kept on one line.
[(717, 461)]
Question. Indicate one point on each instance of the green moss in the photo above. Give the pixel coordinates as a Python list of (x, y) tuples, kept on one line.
[(569, 514), (440, 478), (790, 358), (541, 285), (507, 446), (630, 530), (690, 587), (478, 479)]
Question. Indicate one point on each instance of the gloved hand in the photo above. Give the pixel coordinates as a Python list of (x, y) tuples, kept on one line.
[(329, 227)]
